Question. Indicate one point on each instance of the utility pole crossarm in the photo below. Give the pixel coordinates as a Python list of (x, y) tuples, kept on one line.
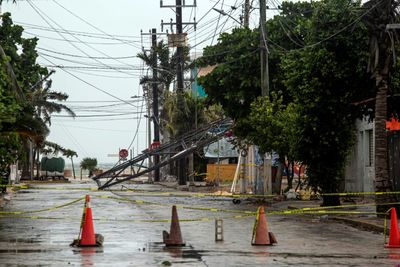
[(194, 4)]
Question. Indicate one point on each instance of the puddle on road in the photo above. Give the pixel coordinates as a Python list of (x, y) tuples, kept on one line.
[(87, 251), (186, 252), (27, 250), (21, 240)]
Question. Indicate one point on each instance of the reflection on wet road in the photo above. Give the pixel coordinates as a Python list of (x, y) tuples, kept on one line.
[(132, 225)]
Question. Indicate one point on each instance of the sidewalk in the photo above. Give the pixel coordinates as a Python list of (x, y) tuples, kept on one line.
[(365, 220)]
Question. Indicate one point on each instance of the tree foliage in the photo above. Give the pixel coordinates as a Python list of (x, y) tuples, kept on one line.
[(89, 164), (318, 67), (23, 114)]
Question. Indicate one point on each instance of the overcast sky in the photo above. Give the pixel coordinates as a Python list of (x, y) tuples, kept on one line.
[(92, 45)]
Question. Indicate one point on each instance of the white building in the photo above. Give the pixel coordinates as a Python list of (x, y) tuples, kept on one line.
[(360, 170)]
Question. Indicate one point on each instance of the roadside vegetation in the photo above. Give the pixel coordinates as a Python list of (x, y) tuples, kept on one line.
[(320, 71), (27, 101)]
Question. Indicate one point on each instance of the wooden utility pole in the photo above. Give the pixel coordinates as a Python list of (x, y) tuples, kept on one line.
[(156, 127)]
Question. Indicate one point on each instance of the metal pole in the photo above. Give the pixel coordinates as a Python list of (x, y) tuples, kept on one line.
[(155, 103)]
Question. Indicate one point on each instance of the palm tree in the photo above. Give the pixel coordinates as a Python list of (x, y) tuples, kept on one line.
[(43, 101), (167, 66), (89, 164), (71, 154), (381, 14)]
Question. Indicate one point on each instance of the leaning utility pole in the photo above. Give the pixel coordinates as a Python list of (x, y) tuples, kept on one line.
[(156, 127)]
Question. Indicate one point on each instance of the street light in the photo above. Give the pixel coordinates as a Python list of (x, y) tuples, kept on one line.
[(223, 13)]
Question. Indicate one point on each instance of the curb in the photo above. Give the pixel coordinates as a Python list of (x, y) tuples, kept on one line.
[(363, 225)]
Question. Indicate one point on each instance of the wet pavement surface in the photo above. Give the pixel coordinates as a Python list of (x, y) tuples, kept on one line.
[(132, 223)]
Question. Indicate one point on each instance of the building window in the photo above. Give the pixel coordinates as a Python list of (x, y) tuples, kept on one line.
[(370, 144)]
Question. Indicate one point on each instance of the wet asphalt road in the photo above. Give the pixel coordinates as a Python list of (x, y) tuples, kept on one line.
[(133, 233)]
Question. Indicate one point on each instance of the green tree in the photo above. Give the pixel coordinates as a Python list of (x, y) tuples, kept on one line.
[(273, 122), (325, 78), (235, 82), (71, 154), (89, 164), (46, 102), (23, 75), (318, 70)]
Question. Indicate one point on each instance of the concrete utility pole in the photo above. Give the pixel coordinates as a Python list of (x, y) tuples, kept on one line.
[(264, 50), (179, 89), (178, 40), (266, 178), (148, 132), (155, 103), (246, 13)]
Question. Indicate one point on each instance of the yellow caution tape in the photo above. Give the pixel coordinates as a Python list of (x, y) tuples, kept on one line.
[(360, 193), (201, 219), (46, 209), (339, 207), (14, 186), (64, 188), (255, 225), (177, 205), (192, 195)]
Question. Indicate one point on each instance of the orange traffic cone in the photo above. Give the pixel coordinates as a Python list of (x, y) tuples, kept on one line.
[(174, 237), (394, 236), (87, 236), (261, 236)]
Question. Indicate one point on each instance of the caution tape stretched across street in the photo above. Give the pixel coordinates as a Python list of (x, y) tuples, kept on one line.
[(45, 209)]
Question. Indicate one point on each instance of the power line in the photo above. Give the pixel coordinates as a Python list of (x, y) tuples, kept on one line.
[(73, 55), (96, 116), (69, 40), (72, 32), (88, 64), (93, 26), (43, 15), (91, 85), (96, 129)]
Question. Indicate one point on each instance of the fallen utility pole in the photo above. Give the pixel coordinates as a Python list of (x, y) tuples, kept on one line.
[(191, 141)]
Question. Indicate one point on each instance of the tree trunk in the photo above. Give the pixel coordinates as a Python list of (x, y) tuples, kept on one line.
[(382, 181), (73, 168), (36, 159)]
